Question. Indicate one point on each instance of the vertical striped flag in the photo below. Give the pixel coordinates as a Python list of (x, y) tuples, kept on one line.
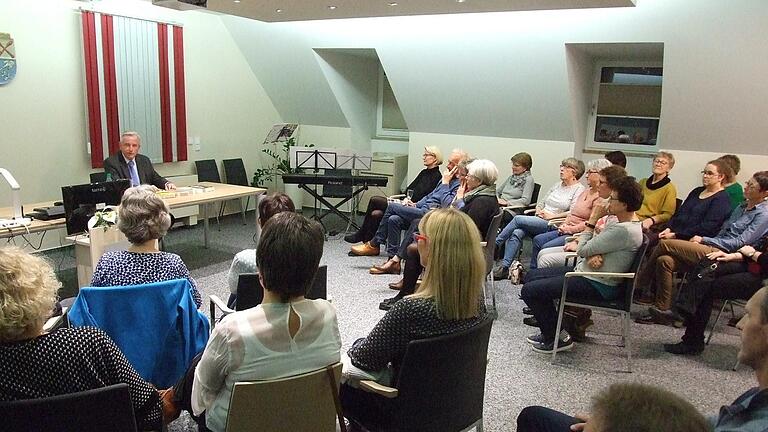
[(134, 79)]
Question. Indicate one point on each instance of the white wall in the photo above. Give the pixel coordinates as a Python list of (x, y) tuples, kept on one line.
[(546, 155)]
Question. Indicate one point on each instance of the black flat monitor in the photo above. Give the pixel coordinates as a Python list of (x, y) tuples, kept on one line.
[(82, 201)]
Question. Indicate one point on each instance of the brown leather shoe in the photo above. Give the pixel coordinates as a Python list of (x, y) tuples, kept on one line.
[(365, 249), (390, 267), (397, 286)]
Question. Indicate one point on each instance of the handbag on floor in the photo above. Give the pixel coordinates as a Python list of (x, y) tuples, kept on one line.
[(689, 296)]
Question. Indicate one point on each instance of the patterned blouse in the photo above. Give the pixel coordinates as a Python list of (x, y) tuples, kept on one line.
[(120, 268), (409, 319), (71, 360)]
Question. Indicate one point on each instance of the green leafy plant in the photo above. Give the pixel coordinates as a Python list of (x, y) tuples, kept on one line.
[(280, 165)]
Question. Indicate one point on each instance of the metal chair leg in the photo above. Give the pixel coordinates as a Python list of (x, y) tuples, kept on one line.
[(717, 318), (628, 340)]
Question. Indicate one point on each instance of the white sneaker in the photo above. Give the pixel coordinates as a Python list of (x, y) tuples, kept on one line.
[(516, 272)]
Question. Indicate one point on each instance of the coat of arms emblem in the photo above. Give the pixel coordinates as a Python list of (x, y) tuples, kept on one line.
[(7, 59)]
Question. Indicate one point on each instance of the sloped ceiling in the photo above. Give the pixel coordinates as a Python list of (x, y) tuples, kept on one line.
[(303, 10)]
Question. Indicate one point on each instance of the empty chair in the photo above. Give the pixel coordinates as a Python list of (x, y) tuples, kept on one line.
[(207, 171), (300, 403), (488, 249), (102, 409), (98, 177), (234, 171), (440, 385), (250, 293)]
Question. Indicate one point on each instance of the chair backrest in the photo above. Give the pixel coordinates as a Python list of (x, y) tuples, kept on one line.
[(234, 170), (157, 325), (490, 240), (98, 177), (207, 171), (630, 284), (535, 194), (106, 408), (251, 294), (338, 190), (298, 403), (441, 383)]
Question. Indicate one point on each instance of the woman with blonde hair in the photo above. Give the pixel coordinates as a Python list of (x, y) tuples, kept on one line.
[(659, 193), (37, 364), (448, 301)]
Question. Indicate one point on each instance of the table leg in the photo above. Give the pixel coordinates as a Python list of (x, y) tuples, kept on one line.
[(204, 208)]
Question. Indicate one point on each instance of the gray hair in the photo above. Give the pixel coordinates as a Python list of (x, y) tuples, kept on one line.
[(130, 134), (463, 155), (143, 215), (598, 164), (435, 151), (484, 170), (576, 164)]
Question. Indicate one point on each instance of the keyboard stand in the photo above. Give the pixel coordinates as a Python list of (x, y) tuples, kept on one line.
[(333, 208)]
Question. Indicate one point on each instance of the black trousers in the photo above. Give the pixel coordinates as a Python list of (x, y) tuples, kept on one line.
[(541, 419), (734, 282), (377, 205), (183, 393)]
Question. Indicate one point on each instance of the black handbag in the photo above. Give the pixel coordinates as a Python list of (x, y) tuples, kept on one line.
[(689, 296)]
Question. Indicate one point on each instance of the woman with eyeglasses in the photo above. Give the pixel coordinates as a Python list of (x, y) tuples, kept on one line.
[(475, 197), (448, 301), (659, 193), (556, 203), (423, 184), (575, 222), (702, 213)]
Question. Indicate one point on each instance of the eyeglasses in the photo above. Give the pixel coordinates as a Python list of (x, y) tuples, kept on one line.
[(592, 171), (660, 162), (709, 173), (417, 237), (567, 166), (428, 155)]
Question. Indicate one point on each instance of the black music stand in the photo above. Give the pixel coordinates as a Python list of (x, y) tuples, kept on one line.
[(324, 159)]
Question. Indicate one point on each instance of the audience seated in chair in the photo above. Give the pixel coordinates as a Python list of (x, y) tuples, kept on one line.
[(285, 335), (448, 301), (475, 197), (517, 190), (144, 218), (558, 255), (422, 185), (659, 193), (245, 260), (577, 216), (617, 157), (732, 187), (68, 360), (398, 216), (702, 213), (393, 265), (746, 225), (738, 276), (556, 203), (613, 251), (622, 407), (746, 413)]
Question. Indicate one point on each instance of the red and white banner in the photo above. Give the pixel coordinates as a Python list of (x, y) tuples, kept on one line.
[(134, 78)]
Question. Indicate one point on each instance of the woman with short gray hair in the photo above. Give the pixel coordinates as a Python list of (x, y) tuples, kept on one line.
[(144, 218), (517, 189)]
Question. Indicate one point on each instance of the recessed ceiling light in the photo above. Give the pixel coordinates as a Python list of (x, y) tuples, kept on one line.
[(332, 7), (279, 10), (460, 1), (237, 1), (392, 3)]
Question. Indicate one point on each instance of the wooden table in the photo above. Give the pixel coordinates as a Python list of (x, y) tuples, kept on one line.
[(222, 192)]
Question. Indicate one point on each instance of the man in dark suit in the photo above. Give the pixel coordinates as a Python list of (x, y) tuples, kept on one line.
[(129, 164)]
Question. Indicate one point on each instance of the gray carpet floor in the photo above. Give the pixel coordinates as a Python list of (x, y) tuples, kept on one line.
[(516, 377)]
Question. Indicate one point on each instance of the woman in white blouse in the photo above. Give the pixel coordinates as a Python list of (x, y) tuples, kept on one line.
[(285, 335)]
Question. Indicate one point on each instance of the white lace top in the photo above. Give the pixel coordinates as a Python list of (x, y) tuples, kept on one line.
[(255, 344)]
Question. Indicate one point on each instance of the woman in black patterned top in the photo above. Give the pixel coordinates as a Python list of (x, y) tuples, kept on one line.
[(143, 218), (448, 301), (37, 364)]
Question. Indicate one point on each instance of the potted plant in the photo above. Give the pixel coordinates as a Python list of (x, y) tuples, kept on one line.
[(281, 165)]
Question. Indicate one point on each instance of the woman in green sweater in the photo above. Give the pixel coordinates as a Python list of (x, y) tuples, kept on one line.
[(734, 190), (659, 193)]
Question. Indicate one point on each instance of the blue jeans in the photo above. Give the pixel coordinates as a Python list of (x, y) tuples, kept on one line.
[(540, 293), (514, 233), (396, 218), (545, 240)]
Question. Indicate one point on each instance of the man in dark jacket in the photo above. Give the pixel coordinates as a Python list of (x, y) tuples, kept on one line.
[(129, 164)]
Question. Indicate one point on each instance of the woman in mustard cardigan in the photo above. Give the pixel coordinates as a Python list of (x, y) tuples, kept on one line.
[(659, 193)]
